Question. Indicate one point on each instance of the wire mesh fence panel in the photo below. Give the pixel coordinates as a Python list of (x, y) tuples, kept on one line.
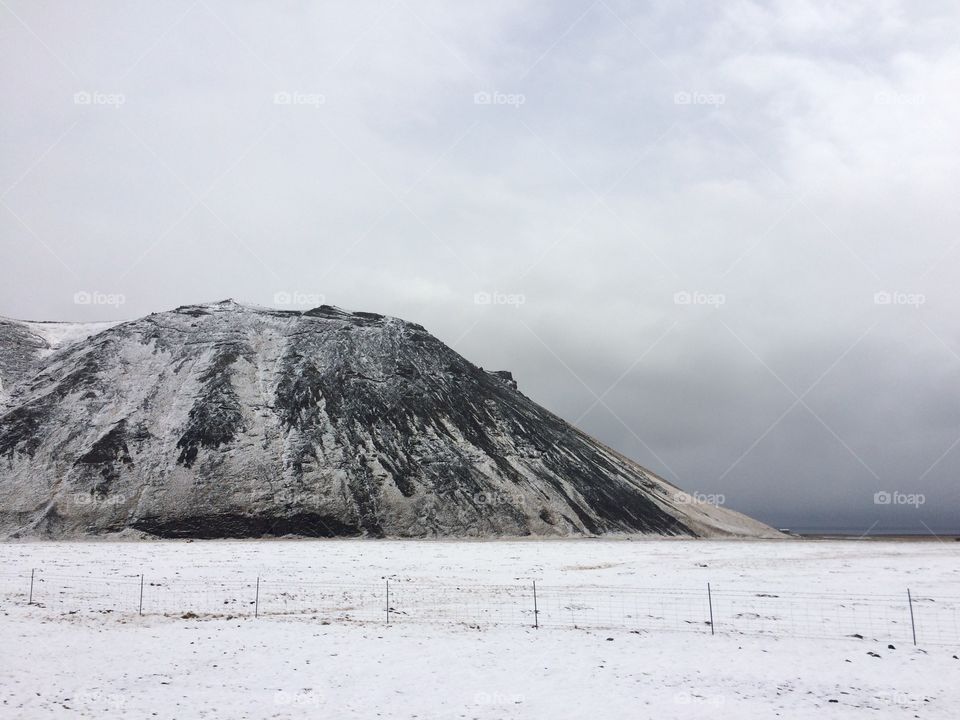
[(469, 605), (14, 588), (937, 620), (327, 602), (813, 615), (888, 618), (634, 609), (217, 597), (78, 594)]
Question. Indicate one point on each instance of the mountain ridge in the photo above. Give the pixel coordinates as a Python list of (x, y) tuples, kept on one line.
[(229, 420)]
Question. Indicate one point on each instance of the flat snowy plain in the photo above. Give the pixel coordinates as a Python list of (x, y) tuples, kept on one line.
[(82, 650)]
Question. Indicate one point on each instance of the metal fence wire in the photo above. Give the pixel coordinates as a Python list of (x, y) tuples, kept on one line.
[(903, 618)]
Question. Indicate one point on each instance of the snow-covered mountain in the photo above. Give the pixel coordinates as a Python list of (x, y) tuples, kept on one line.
[(223, 420)]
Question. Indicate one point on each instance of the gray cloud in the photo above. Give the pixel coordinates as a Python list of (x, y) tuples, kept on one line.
[(797, 159)]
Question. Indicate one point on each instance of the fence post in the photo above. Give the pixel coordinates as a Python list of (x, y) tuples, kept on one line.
[(913, 627), (140, 610), (388, 602), (536, 612), (710, 602), (256, 602), (30, 600)]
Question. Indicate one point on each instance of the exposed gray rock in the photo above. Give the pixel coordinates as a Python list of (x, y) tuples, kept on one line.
[(224, 420), (24, 345), (505, 376), (21, 353)]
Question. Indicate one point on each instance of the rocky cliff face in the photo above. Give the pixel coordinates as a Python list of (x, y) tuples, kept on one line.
[(223, 420)]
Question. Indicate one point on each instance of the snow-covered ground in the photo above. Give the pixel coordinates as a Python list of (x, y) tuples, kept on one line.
[(82, 649)]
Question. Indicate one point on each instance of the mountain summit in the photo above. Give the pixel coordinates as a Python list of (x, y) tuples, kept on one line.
[(223, 420)]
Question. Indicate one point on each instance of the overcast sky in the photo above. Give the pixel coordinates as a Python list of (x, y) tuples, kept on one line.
[(722, 237)]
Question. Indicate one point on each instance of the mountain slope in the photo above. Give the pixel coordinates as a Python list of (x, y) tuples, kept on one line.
[(223, 420), (24, 345)]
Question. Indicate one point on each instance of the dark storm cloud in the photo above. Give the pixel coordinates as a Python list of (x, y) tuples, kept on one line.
[(735, 225)]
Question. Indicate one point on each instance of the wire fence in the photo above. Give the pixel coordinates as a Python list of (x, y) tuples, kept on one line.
[(902, 618)]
